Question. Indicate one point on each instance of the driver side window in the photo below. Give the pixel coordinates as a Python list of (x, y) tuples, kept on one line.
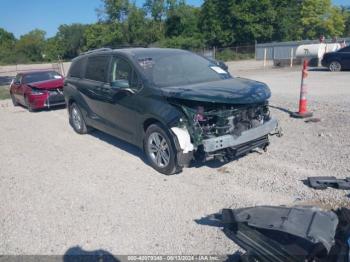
[(123, 71), (18, 79)]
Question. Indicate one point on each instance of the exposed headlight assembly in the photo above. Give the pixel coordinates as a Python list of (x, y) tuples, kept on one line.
[(36, 91)]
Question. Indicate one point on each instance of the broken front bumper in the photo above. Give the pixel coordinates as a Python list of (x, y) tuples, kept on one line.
[(229, 141), (54, 98)]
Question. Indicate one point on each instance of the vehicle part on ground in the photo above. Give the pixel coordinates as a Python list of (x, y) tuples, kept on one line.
[(330, 181), (160, 150), (313, 120), (341, 251), (278, 234), (281, 233), (76, 119)]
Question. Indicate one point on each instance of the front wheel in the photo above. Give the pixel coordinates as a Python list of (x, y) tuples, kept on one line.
[(76, 119), (335, 66), (14, 101), (160, 150), (28, 105)]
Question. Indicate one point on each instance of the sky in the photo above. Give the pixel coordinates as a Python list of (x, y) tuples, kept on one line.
[(22, 16)]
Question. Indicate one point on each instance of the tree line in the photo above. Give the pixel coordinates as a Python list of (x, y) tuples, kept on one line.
[(174, 23)]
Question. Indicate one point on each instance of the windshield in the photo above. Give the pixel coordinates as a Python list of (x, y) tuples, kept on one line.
[(178, 69), (40, 76)]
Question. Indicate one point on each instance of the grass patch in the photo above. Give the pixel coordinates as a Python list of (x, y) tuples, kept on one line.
[(4, 92), (230, 55)]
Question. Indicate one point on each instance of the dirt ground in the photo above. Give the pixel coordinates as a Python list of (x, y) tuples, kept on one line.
[(60, 190)]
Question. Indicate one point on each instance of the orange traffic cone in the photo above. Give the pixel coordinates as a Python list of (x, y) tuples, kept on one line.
[(303, 113)]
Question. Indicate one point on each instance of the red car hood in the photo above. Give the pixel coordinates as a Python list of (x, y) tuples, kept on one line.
[(49, 84)]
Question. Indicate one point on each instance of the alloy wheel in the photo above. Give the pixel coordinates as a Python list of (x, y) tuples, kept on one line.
[(335, 66), (158, 149), (76, 118)]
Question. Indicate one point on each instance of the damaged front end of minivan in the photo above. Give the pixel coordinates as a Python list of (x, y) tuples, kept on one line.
[(226, 129)]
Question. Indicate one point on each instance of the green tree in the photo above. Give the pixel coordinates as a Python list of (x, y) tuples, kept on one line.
[(346, 15), (71, 39), (211, 22), (237, 21), (156, 8), (103, 35), (287, 25), (182, 19), (181, 26), (30, 46), (52, 49), (134, 27), (252, 20), (114, 10), (7, 39), (7, 44), (320, 17)]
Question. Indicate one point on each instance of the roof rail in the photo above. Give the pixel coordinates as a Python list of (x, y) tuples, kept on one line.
[(104, 49), (129, 46)]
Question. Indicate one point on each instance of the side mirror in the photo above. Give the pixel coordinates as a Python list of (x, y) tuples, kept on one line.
[(120, 84), (223, 65)]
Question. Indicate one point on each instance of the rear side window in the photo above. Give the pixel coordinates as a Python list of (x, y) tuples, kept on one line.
[(97, 68), (76, 69)]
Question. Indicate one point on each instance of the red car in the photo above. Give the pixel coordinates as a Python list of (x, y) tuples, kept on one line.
[(37, 90)]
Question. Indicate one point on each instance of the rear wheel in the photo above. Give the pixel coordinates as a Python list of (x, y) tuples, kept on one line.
[(14, 101), (160, 150), (76, 119), (335, 66)]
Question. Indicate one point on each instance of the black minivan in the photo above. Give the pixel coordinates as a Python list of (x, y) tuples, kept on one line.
[(175, 105)]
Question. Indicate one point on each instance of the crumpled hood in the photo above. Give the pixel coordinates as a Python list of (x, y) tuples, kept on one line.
[(49, 84), (229, 91)]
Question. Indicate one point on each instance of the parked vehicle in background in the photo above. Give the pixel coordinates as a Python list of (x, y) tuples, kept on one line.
[(173, 104), (337, 61), (37, 90)]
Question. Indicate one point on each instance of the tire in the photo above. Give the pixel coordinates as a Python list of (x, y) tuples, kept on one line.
[(29, 107), (160, 150), (77, 120), (335, 66), (14, 101)]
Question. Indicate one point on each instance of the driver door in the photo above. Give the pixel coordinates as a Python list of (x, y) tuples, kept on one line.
[(123, 99)]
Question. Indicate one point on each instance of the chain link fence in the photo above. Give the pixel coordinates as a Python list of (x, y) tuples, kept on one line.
[(228, 53), (7, 73)]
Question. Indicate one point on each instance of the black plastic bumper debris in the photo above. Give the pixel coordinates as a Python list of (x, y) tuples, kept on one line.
[(331, 181), (277, 234)]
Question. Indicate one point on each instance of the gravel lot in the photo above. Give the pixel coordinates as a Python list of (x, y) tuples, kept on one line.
[(60, 190)]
